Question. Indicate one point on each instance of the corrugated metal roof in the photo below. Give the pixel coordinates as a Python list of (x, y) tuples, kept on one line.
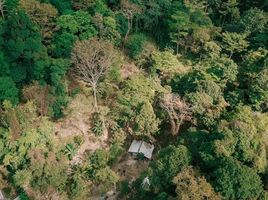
[(135, 146), (141, 147), (146, 149)]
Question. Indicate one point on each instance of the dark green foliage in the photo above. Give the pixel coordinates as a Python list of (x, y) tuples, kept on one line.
[(122, 22), (8, 90), (235, 181), (63, 43), (135, 44), (11, 4), (58, 106), (63, 6), (76, 25), (23, 48), (4, 70), (124, 188), (170, 161), (249, 19), (210, 54)]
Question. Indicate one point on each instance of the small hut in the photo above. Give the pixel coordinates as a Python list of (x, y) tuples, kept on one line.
[(138, 146)]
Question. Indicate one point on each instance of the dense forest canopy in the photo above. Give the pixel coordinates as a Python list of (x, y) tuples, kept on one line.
[(80, 79)]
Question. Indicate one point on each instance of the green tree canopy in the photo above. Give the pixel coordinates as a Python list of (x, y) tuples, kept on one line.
[(169, 162)]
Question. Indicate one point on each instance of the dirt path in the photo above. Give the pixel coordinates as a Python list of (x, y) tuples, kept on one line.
[(77, 122)]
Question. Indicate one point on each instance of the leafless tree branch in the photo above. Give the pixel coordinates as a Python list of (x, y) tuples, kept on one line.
[(91, 59), (177, 110)]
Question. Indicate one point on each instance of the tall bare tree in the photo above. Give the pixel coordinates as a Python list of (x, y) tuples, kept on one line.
[(129, 10), (91, 59), (177, 110), (2, 8)]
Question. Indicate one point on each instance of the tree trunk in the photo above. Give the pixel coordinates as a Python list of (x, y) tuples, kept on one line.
[(173, 127), (95, 97), (129, 26), (231, 54)]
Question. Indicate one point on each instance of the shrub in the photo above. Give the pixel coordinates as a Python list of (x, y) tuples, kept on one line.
[(97, 124), (135, 44)]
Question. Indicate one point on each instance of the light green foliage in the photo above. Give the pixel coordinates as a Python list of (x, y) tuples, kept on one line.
[(78, 24), (254, 20), (70, 151), (185, 20), (139, 88), (117, 145), (218, 108), (145, 122), (167, 64), (98, 128), (179, 25), (212, 48), (107, 177), (135, 105), (22, 178), (191, 185), (107, 28), (98, 160), (259, 89), (99, 6), (201, 37), (80, 187), (98, 121), (204, 87), (205, 108), (234, 42), (210, 88), (244, 138), (110, 30), (79, 184), (255, 78), (32, 155), (100, 172), (47, 171), (222, 69)]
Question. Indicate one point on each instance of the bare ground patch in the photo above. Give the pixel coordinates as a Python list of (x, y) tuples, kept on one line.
[(78, 122)]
